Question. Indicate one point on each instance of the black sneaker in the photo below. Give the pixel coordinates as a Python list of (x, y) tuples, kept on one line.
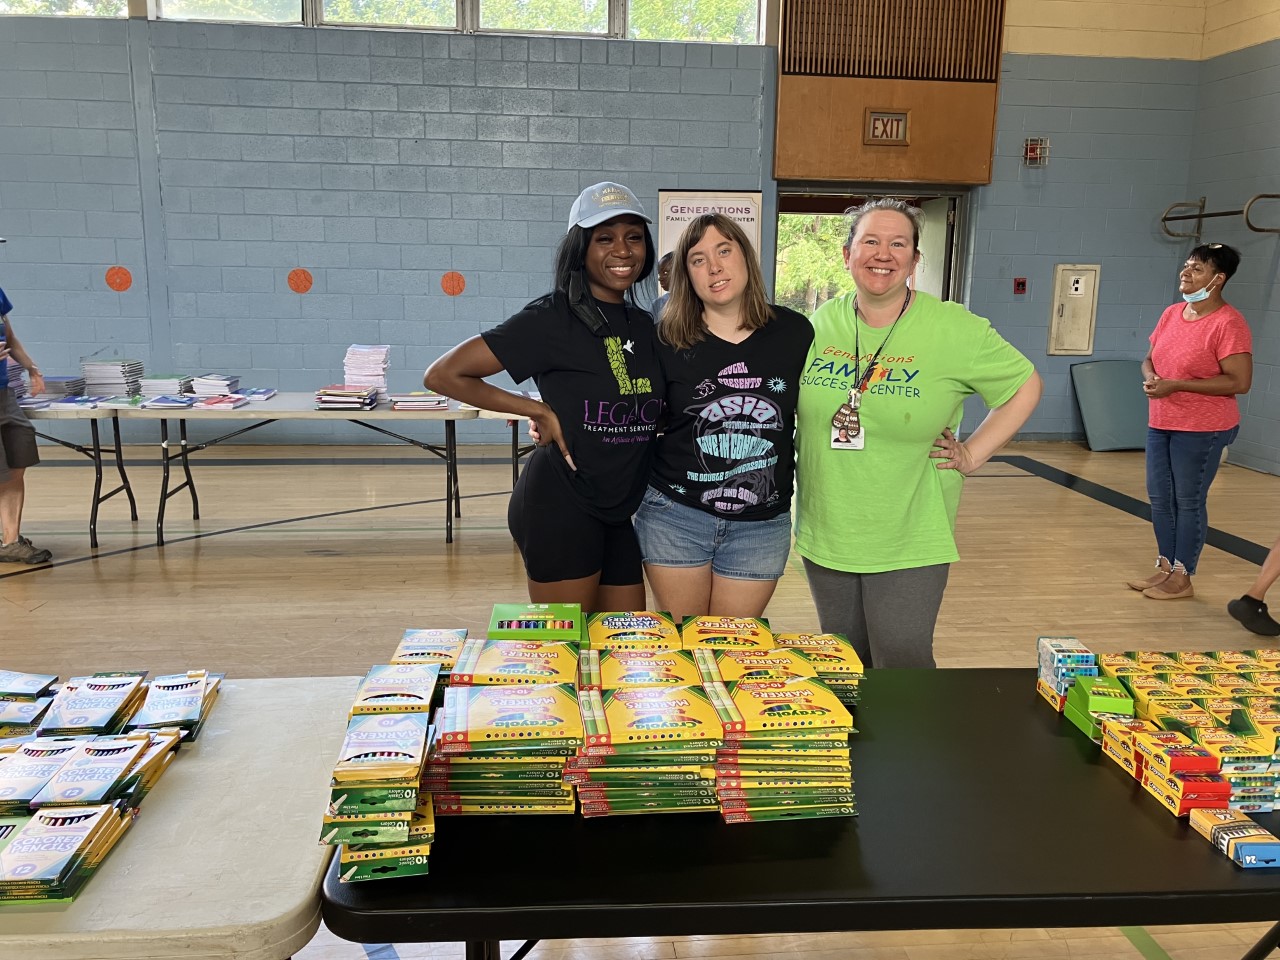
[(1253, 615)]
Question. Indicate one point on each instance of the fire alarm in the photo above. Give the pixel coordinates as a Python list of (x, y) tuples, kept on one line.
[(1035, 151), (1019, 284)]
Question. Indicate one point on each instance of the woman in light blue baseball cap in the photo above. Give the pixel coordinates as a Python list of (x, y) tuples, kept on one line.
[(592, 353)]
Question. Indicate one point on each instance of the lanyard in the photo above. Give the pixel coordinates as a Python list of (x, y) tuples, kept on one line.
[(860, 378)]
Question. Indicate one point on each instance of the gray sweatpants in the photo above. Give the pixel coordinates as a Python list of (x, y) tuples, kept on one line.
[(888, 617)]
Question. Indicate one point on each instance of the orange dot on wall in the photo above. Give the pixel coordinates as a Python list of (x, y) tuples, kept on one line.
[(119, 279), (453, 283), (300, 280)]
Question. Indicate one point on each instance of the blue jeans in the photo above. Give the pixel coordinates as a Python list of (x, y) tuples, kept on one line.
[(1181, 464)]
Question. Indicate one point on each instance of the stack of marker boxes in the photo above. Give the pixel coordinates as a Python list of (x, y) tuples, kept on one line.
[(510, 719), (1093, 700), (375, 812), (1061, 661), (651, 729), (836, 662)]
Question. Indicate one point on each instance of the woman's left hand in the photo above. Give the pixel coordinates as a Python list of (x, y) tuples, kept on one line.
[(953, 454), (1158, 387)]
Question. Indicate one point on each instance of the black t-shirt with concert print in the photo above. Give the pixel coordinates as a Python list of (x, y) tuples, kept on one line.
[(607, 390), (728, 447)]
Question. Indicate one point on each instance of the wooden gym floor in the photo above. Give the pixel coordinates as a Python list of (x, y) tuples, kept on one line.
[(312, 561)]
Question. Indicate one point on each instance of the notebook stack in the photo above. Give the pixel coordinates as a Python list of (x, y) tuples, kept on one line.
[(374, 790), (18, 386), (510, 718), (172, 383), (87, 401), (63, 386), (341, 396), (365, 365), (112, 377), (222, 401), (214, 384), (123, 401), (169, 401), (419, 400), (833, 658)]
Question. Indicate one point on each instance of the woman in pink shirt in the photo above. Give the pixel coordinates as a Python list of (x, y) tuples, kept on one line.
[(1201, 358)]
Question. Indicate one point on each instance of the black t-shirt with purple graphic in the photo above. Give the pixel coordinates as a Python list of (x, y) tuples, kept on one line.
[(607, 390), (728, 447)]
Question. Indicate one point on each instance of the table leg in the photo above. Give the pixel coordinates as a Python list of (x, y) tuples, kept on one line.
[(124, 479), (186, 471), (515, 452), (451, 429), (1269, 943), (164, 481), (484, 950), (97, 483), (450, 483)]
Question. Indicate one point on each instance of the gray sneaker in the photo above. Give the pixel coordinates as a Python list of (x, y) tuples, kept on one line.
[(23, 550)]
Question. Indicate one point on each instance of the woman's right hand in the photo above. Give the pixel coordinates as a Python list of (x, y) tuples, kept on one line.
[(545, 428)]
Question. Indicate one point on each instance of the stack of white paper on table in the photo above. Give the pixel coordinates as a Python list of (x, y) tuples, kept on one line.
[(18, 385), (365, 365), (348, 396), (169, 401), (214, 384), (72, 386), (112, 377), (170, 383)]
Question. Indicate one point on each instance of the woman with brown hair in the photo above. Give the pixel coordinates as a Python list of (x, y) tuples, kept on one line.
[(715, 522)]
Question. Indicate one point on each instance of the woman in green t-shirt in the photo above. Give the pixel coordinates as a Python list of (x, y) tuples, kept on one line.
[(879, 466)]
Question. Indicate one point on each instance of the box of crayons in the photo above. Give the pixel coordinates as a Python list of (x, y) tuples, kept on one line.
[(536, 621)]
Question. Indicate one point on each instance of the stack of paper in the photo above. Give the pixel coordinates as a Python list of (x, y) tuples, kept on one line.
[(224, 401), (63, 386), (365, 365), (343, 396), (419, 400), (123, 401), (167, 383), (257, 394), (169, 402), (215, 384), (112, 376), (88, 402)]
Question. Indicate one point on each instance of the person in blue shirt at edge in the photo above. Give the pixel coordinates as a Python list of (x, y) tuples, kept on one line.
[(17, 446), (592, 352)]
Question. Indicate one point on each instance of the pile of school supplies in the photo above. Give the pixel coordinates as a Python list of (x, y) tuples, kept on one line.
[(419, 400), (257, 394), (440, 646), (340, 396), (181, 700), (1061, 661), (112, 377), (509, 721), (222, 401), (70, 780), (49, 855), (172, 383), (214, 384), (365, 365), (123, 401), (88, 402), (375, 812), (836, 662), (786, 749)]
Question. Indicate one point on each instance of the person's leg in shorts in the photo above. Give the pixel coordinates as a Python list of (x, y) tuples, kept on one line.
[(698, 563), (17, 452), (889, 617), (569, 555)]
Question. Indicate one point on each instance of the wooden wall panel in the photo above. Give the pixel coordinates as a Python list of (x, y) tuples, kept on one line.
[(820, 130)]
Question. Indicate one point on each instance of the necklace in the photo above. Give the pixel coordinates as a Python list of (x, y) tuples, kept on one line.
[(846, 417)]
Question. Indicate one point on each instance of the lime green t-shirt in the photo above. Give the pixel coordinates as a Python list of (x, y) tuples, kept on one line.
[(888, 506)]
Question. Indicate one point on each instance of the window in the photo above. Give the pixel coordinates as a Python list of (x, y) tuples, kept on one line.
[(563, 16), (65, 8), (392, 13), (705, 21), (251, 11)]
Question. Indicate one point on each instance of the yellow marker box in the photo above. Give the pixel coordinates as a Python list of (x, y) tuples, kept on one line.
[(730, 665), (632, 630), (726, 633), (830, 653), (486, 662)]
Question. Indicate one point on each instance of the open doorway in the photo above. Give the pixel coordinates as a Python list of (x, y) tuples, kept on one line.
[(812, 229)]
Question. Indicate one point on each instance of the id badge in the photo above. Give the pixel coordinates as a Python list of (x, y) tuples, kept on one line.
[(843, 439)]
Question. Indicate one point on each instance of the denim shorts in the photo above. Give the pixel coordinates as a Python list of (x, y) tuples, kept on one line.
[(675, 535)]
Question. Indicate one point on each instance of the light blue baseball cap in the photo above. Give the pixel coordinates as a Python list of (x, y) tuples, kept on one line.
[(604, 201)]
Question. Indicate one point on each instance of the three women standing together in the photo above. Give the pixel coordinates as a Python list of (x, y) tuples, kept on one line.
[(869, 396)]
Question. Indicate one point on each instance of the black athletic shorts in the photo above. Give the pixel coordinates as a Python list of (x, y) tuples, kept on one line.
[(17, 436), (561, 541)]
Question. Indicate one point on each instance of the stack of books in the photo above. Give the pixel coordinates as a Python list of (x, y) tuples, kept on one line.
[(167, 383), (258, 394), (365, 365), (112, 377), (87, 401), (123, 401), (214, 384), (223, 401), (169, 402), (419, 400), (340, 396)]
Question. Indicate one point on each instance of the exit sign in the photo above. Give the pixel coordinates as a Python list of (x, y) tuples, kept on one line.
[(886, 127)]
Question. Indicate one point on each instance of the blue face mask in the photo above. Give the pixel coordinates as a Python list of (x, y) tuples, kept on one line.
[(1199, 295)]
